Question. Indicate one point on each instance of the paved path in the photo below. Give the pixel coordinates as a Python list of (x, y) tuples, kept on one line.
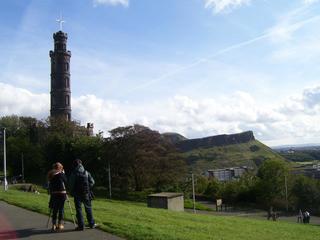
[(18, 223)]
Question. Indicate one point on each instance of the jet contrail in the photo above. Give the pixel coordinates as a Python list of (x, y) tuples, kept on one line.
[(195, 63), (267, 34)]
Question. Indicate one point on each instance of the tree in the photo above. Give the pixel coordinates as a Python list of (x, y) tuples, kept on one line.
[(11, 123), (248, 187), (305, 192), (201, 184), (271, 183), (141, 158), (89, 150), (22, 143), (19, 148), (230, 191), (213, 190), (65, 141)]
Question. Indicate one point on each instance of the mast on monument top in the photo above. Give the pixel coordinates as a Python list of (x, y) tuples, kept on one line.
[(60, 21)]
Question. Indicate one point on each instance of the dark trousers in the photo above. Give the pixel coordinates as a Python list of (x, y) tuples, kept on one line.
[(78, 200), (57, 205)]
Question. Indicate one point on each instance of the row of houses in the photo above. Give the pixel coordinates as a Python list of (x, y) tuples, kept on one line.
[(309, 170), (228, 174)]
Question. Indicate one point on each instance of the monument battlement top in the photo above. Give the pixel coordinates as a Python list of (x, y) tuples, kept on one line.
[(59, 35)]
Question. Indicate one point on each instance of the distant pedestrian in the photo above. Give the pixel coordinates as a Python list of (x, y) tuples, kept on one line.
[(80, 183), (270, 213), (306, 217), (300, 216), (57, 190), (275, 216)]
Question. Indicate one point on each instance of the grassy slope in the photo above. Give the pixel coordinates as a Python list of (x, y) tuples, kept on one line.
[(230, 156), (135, 221)]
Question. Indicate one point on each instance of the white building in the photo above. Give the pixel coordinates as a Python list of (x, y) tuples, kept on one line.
[(227, 174)]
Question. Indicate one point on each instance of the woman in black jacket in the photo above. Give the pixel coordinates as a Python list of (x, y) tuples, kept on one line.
[(57, 188)]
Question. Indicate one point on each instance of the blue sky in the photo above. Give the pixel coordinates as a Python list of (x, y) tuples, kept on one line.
[(197, 67)]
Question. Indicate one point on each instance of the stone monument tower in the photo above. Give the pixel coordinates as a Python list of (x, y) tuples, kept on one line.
[(60, 77)]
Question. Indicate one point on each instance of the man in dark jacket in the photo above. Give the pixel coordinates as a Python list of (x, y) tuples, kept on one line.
[(80, 183)]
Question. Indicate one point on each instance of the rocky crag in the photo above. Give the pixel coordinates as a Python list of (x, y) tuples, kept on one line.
[(215, 141)]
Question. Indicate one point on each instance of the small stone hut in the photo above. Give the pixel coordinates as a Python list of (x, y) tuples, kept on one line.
[(166, 200)]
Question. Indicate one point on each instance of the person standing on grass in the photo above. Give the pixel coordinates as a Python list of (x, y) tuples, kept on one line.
[(270, 213), (306, 217), (80, 183), (57, 190), (300, 216)]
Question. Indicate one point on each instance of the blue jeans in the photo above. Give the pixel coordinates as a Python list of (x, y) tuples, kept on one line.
[(78, 200)]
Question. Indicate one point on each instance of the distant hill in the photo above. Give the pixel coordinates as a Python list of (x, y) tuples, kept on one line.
[(298, 147), (300, 153), (215, 141), (241, 149), (174, 138)]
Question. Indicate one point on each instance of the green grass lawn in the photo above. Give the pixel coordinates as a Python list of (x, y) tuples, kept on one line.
[(188, 203), (136, 221)]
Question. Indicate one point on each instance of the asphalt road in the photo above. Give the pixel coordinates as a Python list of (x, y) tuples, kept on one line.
[(18, 223)]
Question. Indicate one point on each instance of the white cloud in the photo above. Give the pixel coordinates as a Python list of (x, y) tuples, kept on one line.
[(283, 31), (104, 114), (124, 3), (290, 23), (22, 102), (310, 1), (224, 5), (294, 121), (199, 117), (295, 36), (304, 49)]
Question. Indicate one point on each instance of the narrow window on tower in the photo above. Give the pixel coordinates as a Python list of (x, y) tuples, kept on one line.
[(66, 79), (67, 100), (52, 101), (53, 82), (67, 66), (53, 64)]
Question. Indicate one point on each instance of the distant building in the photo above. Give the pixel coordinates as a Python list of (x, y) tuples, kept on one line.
[(90, 129), (308, 170), (60, 106), (227, 174), (60, 102), (167, 200)]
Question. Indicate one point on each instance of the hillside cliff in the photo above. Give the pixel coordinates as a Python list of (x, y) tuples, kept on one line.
[(215, 141), (241, 149)]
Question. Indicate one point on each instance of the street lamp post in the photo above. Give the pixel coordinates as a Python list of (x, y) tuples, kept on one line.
[(109, 170), (109, 177), (193, 194), (286, 188), (5, 160), (22, 167)]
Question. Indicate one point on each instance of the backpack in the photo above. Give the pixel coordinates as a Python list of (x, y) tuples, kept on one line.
[(82, 183)]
